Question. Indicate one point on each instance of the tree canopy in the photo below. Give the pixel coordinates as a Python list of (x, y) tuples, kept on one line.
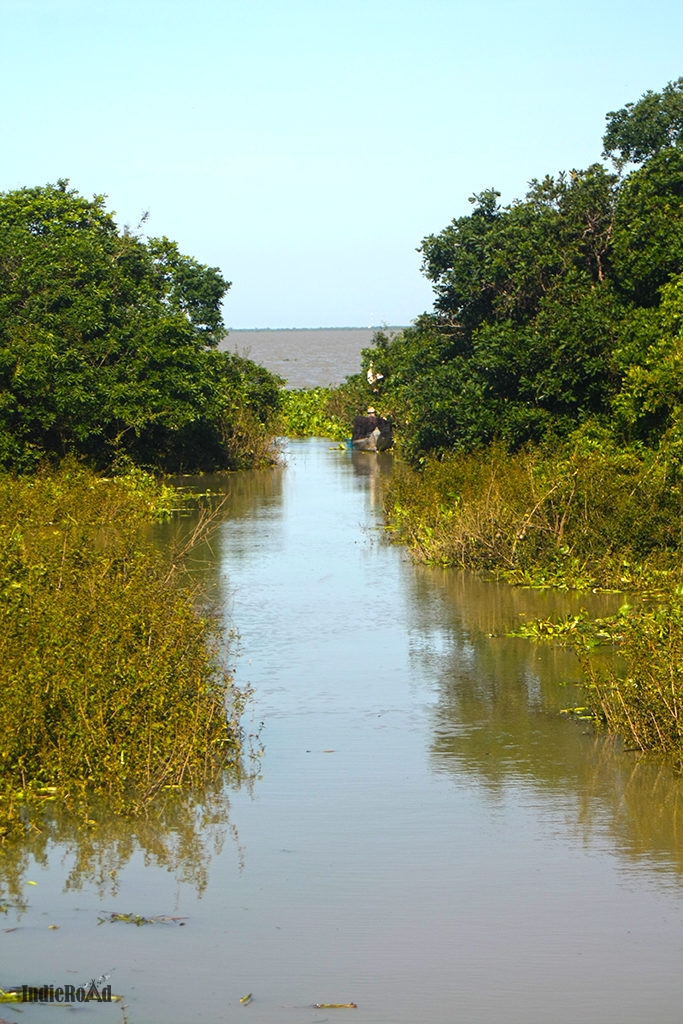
[(108, 343), (639, 130), (543, 306)]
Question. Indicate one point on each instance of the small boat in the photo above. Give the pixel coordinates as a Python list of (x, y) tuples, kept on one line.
[(371, 432)]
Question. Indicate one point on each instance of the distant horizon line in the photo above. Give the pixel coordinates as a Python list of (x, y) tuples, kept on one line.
[(348, 327)]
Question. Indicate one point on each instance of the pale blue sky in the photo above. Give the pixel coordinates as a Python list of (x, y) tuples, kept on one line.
[(306, 147)]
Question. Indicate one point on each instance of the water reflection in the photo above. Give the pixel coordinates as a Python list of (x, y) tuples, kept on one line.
[(372, 470), (180, 833), (428, 832), (497, 717)]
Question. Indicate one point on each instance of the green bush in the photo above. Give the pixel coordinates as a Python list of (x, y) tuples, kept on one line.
[(305, 412), (111, 678)]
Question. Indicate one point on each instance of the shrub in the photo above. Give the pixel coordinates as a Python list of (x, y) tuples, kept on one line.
[(644, 704), (579, 514), (305, 413), (111, 678)]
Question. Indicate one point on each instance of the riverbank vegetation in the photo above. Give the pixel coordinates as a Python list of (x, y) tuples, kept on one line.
[(308, 412), (583, 513), (539, 406), (110, 670), (111, 673)]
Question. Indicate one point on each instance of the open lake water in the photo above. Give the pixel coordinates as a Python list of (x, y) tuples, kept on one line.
[(308, 358), (424, 833)]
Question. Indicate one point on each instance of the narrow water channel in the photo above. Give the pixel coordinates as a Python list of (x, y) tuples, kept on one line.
[(425, 835)]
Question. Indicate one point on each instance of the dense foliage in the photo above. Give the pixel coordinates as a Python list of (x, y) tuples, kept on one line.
[(556, 309), (309, 412), (111, 679), (108, 345)]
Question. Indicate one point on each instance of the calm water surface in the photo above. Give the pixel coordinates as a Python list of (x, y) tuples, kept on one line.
[(425, 835), (306, 359)]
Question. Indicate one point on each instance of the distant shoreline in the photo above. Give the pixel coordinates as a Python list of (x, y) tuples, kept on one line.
[(261, 330)]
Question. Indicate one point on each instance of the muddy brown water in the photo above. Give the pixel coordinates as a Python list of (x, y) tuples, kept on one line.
[(306, 358), (424, 834)]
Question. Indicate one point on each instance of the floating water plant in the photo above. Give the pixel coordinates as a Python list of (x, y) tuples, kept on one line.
[(138, 919)]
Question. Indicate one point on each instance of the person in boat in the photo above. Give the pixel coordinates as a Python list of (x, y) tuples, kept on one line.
[(371, 433)]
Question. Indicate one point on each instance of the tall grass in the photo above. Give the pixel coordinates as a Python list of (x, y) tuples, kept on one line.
[(111, 679), (575, 517)]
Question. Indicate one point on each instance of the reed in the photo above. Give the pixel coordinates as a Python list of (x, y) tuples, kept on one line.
[(643, 703)]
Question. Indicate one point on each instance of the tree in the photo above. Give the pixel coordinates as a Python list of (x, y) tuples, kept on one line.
[(650, 402), (640, 130), (648, 228), (545, 307), (519, 341), (107, 342)]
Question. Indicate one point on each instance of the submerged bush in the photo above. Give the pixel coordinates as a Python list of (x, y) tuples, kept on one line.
[(644, 704), (578, 514), (111, 679)]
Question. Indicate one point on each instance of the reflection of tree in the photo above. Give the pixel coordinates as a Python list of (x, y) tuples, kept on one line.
[(179, 832), (498, 721)]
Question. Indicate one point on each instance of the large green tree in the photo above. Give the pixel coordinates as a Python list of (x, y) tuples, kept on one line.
[(518, 343), (108, 342), (651, 399), (542, 306)]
